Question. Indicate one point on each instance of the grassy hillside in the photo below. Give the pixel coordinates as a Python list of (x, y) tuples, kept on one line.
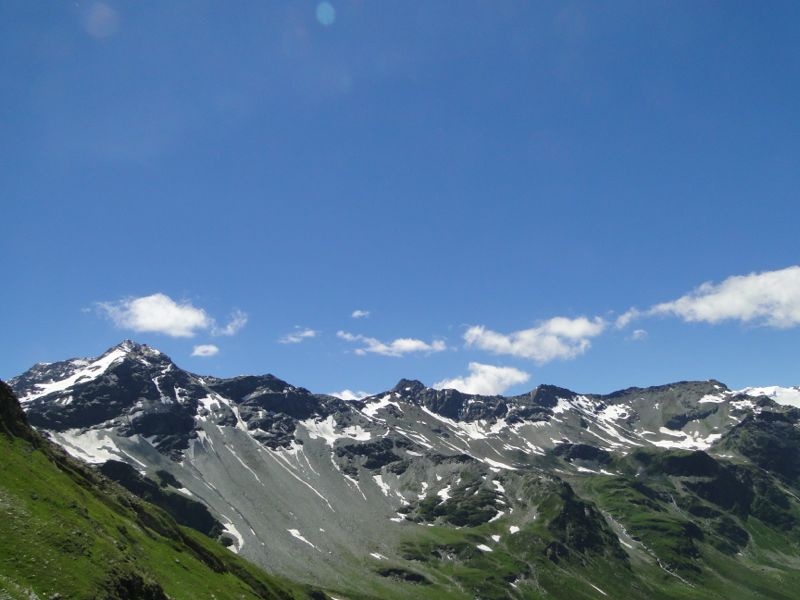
[(67, 532)]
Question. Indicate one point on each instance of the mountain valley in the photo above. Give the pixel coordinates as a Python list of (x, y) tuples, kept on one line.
[(687, 490)]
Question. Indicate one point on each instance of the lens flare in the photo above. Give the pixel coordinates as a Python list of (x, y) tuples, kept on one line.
[(326, 14)]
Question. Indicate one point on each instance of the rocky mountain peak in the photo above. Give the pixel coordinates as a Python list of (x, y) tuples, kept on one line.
[(406, 387), (548, 395), (130, 346)]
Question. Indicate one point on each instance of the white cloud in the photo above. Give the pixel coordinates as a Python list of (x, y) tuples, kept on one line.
[(771, 298), (397, 347), (205, 350), (487, 380), (298, 336), (237, 321), (638, 335), (348, 394), (360, 314), (625, 318), (556, 338), (157, 313)]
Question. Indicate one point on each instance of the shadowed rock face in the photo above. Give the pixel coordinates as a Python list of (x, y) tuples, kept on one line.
[(771, 440), (12, 418), (127, 585), (184, 510), (571, 452), (472, 407)]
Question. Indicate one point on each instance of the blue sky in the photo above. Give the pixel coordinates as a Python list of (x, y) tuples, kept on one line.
[(186, 174)]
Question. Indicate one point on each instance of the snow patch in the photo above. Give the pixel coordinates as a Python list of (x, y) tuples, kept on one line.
[(562, 406), (372, 408), (90, 371), (424, 491), (788, 396), (91, 445), (689, 441), (598, 589), (296, 533), (230, 528), (712, 399), (444, 493), (382, 484), (497, 464), (326, 430)]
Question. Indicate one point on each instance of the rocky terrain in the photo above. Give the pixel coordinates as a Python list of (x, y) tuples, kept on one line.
[(687, 490), (68, 532)]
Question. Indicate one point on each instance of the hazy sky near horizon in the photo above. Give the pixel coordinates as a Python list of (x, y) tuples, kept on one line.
[(483, 195)]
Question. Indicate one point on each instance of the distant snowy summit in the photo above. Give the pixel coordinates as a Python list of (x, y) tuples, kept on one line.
[(135, 390), (787, 396)]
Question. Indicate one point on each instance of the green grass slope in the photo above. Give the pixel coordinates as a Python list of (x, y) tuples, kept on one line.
[(67, 532)]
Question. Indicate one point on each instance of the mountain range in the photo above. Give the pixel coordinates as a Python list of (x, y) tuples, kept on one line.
[(686, 490)]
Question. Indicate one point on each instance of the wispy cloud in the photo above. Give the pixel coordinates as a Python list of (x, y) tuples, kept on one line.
[(238, 319), (298, 335), (398, 347), (625, 318), (360, 314), (205, 350), (158, 313), (487, 380), (637, 335), (556, 338), (348, 394)]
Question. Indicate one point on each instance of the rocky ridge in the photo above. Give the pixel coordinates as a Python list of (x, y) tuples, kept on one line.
[(371, 480)]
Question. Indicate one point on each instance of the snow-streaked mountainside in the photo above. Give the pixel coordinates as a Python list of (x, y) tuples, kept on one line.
[(787, 396), (337, 492)]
